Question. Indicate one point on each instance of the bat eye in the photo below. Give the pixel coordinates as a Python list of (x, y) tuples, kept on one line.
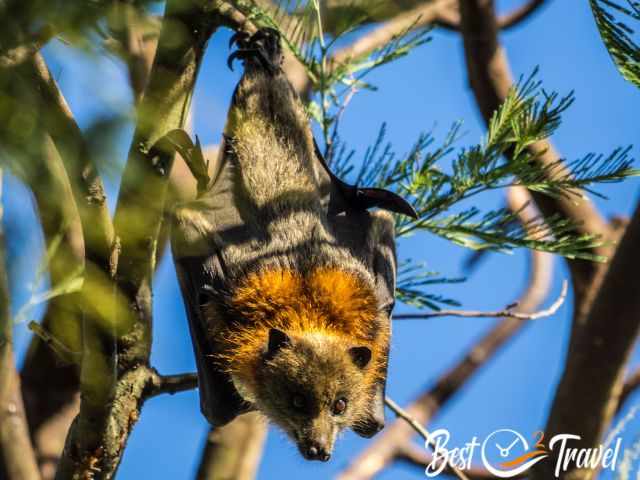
[(298, 401), (340, 406)]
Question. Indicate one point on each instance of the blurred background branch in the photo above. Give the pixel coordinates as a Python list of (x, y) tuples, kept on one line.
[(234, 451), (16, 450)]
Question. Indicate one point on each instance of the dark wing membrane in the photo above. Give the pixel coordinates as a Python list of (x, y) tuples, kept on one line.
[(198, 230), (219, 401), (370, 236)]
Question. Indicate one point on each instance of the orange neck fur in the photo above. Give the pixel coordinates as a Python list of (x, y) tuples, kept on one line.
[(327, 301)]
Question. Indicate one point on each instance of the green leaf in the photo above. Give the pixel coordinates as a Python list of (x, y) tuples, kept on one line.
[(617, 35)]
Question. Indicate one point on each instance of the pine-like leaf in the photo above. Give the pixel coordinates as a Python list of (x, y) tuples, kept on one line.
[(617, 35)]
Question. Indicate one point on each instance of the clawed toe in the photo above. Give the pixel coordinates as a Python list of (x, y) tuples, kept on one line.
[(261, 49), (266, 33), (239, 38), (237, 54)]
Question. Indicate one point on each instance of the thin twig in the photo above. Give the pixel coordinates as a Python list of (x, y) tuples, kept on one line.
[(516, 16), (416, 18), (631, 383), (506, 313), (401, 413), (171, 384), (61, 350)]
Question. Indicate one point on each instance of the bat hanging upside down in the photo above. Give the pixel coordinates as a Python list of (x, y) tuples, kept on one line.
[(288, 279)]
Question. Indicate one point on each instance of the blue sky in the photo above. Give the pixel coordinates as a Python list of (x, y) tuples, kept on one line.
[(427, 90)]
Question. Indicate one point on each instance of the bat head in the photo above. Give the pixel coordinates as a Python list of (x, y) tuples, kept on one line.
[(312, 386)]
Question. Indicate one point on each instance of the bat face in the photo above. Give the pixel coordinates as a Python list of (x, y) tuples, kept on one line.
[(312, 387)]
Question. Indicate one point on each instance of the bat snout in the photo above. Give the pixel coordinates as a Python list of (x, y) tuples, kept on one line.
[(315, 450)]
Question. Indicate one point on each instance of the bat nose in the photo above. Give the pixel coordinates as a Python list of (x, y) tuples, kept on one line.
[(315, 451)]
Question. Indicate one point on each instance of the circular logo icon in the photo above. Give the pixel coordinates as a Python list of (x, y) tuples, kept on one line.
[(506, 453)]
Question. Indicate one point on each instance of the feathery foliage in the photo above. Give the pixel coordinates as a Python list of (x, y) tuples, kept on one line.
[(617, 35), (528, 115), (411, 282)]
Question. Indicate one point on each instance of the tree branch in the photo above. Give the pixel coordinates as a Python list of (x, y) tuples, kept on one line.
[(135, 41), (519, 14), (451, 19), (234, 451), (384, 449), (418, 17), (600, 338), (171, 384), (85, 180), (108, 413), (48, 386), (438, 12), (508, 312), (230, 17), (18, 456), (600, 351), (630, 385), (20, 53), (400, 413)]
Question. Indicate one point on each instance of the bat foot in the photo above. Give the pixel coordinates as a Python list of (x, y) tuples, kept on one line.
[(261, 50), (240, 38)]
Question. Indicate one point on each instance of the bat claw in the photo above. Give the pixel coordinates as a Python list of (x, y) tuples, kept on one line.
[(266, 33), (244, 54), (231, 58), (262, 48), (239, 38)]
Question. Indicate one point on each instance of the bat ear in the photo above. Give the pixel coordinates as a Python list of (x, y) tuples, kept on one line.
[(277, 341), (360, 356)]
